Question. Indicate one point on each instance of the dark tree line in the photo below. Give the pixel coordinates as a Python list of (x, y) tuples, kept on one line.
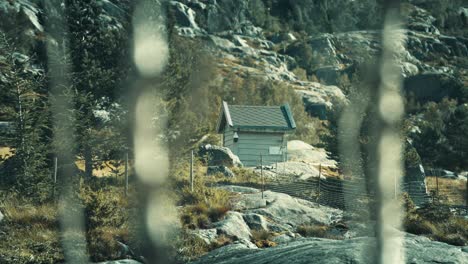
[(92, 40)]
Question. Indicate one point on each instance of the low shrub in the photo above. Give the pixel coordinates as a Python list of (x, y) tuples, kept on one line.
[(419, 226), (103, 243), (313, 230), (435, 221), (452, 239), (188, 247), (222, 240), (262, 238), (216, 213), (104, 207)]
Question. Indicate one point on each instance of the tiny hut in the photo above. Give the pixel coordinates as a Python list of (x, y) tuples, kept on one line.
[(256, 132)]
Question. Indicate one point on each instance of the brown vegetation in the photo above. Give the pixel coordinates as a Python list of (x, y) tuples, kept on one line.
[(435, 221), (451, 191)]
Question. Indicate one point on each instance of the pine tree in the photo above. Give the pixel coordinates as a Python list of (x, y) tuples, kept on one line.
[(25, 95), (98, 41)]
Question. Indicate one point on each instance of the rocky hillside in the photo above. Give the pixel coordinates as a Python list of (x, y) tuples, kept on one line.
[(323, 59), (318, 48), (320, 250), (431, 61)]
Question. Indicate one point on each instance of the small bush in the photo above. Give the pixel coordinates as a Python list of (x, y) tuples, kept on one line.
[(436, 222), (300, 73), (435, 212), (216, 213), (188, 247), (313, 230), (222, 240), (418, 226), (201, 216), (262, 238), (452, 239), (103, 245)]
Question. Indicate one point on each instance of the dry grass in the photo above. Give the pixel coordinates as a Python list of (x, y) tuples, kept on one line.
[(313, 230), (105, 168), (103, 243), (262, 238), (436, 222), (5, 152), (30, 232), (330, 172), (452, 191)]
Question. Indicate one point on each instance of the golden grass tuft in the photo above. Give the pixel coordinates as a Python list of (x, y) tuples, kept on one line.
[(453, 190), (313, 230), (5, 152), (262, 238), (29, 231), (105, 168)]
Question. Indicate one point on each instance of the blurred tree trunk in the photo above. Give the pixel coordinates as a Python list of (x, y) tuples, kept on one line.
[(88, 157)]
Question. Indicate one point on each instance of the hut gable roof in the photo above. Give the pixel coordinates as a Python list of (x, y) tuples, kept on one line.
[(256, 118)]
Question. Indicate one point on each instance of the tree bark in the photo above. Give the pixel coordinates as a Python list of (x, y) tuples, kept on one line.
[(88, 161)]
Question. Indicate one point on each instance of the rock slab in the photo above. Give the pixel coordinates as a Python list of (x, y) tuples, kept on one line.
[(418, 250)]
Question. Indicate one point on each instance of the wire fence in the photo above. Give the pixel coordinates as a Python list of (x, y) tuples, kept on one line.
[(353, 194)]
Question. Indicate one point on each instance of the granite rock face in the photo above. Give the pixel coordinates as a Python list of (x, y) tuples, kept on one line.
[(242, 47), (418, 250)]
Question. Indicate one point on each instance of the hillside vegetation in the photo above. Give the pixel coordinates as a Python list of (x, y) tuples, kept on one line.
[(68, 86)]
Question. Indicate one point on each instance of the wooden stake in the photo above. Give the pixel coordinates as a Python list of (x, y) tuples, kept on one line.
[(261, 173), (55, 170), (191, 170), (55, 175), (320, 176), (126, 173)]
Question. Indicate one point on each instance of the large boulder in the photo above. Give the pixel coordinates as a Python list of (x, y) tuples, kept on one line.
[(273, 211), (417, 250), (220, 156), (255, 221), (184, 15), (314, 93), (292, 212), (289, 170), (302, 152), (233, 225), (207, 235), (432, 86), (281, 212)]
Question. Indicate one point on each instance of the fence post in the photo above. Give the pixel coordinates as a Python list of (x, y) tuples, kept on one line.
[(320, 170), (55, 175), (126, 173), (55, 170), (261, 173), (319, 177), (318, 192), (466, 194), (437, 185), (191, 170)]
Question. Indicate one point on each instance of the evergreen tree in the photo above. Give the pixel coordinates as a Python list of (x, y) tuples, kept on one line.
[(99, 48), (25, 95)]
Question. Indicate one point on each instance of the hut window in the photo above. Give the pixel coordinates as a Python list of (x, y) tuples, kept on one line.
[(275, 150)]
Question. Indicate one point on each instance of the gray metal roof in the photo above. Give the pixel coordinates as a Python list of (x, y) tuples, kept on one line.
[(248, 117)]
